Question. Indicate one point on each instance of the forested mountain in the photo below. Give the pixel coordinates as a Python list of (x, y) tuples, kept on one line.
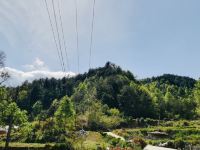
[(103, 99), (46, 90), (171, 79), (166, 96)]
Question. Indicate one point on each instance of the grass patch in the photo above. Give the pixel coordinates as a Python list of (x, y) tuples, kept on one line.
[(28, 145)]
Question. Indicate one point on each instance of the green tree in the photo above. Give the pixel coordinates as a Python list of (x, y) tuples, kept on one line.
[(197, 92), (65, 114), (22, 100), (172, 104), (103, 118), (133, 99), (109, 88), (157, 98), (52, 109), (37, 109), (12, 115)]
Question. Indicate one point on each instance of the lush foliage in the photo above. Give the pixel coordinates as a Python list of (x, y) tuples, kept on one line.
[(103, 99), (167, 96)]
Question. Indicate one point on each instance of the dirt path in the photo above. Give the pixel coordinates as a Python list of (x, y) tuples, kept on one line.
[(115, 136)]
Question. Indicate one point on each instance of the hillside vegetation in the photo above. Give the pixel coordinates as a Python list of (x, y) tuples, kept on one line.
[(104, 99)]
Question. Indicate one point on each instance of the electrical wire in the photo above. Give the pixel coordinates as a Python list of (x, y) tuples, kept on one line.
[(63, 37), (53, 32), (91, 36), (77, 34), (58, 34)]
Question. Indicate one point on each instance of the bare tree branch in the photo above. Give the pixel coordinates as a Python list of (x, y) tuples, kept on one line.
[(4, 76), (2, 59)]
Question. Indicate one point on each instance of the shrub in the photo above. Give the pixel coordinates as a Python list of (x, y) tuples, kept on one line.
[(103, 134), (140, 142), (151, 122), (141, 122), (179, 143), (186, 123), (63, 146), (115, 142)]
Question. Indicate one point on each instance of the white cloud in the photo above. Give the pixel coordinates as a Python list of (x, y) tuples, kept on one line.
[(18, 77), (38, 64), (36, 70)]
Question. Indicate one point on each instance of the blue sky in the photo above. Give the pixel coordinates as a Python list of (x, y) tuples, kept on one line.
[(147, 37)]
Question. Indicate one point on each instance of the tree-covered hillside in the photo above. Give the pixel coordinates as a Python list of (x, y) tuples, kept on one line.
[(166, 96), (180, 81), (103, 99)]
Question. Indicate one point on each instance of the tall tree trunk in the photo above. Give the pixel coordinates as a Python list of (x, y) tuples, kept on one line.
[(8, 134)]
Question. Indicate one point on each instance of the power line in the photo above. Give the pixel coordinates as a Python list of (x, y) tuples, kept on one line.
[(63, 36), (59, 41), (91, 36), (54, 37), (77, 34)]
